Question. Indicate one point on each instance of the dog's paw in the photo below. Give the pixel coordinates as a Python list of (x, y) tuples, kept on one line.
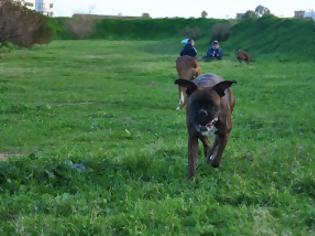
[(213, 162), (210, 158), (207, 153)]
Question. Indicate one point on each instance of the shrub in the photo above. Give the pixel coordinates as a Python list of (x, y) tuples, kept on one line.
[(81, 26), (192, 32), (221, 32), (21, 26), (60, 28), (146, 15)]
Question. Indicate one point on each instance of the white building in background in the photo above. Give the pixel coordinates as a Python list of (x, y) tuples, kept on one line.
[(44, 7), (305, 14)]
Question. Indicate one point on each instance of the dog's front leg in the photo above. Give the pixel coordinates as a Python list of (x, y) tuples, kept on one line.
[(181, 102), (206, 145), (192, 154), (217, 150)]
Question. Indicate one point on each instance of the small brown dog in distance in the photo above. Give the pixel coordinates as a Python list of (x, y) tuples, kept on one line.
[(242, 56), (210, 104), (187, 69)]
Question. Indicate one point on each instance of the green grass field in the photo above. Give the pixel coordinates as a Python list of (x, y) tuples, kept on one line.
[(109, 106)]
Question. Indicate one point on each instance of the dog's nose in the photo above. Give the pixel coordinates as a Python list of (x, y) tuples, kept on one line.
[(203, 129), (203, 113)]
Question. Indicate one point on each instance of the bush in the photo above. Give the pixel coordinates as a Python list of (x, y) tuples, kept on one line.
[(81, 26), (221, 32), (22, 26), (60, 29), (141, 28), (192, 32)]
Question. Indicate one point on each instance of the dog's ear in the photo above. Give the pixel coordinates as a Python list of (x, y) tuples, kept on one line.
[(222, 86), (189, 85)]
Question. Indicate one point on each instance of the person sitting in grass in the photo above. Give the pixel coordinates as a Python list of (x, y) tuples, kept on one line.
[(189, 49), (214, 52)]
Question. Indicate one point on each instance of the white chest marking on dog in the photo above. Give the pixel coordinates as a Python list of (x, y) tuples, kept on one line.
[(210, 131)]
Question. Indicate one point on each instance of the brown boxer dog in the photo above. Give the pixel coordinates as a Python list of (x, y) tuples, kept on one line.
[(187, 68), (209, 109)]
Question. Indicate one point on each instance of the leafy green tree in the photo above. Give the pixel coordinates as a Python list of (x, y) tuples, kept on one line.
[(249, 15), (262, 11), (204, 14)]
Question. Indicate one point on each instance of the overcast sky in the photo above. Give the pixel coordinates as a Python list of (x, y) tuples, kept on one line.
[(181, 8)]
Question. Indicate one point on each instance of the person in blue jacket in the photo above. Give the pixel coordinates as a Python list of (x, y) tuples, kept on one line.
[(189, 49), (214, 52)]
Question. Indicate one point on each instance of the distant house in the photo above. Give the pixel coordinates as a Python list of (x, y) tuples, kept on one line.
[(299, 14), (305, 14)]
